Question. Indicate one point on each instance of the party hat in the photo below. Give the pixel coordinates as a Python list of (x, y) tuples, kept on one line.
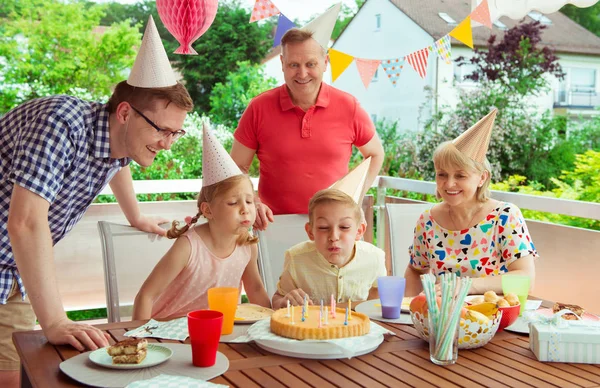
[(474, 141), (322, 26), (151, 68), (217, 165), (353, 183)]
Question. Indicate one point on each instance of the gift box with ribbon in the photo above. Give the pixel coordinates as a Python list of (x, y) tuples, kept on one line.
[(555, 339)]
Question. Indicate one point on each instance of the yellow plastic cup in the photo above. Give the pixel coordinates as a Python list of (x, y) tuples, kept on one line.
[(519, 285), (225, 300)]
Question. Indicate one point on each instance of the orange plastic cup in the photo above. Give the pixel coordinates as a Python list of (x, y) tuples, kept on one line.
[(225, 300)]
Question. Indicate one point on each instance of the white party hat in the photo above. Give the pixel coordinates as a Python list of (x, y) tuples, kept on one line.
[(474, 141), (151, 68), (217, 165), (353, 182), (322, 26)]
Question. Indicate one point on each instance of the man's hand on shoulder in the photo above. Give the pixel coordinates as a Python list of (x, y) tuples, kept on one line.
[(150, 224), (78, 335), (264, 215)]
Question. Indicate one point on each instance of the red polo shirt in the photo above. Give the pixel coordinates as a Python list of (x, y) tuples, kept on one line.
[(302, 152)]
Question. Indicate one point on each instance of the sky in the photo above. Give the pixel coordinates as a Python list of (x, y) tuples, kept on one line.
[(302, 10)]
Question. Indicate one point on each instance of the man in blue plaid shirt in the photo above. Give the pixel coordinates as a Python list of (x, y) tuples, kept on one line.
[(56, 155)]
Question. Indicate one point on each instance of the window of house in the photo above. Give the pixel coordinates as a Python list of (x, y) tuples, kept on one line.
[(375, 76), (461, 72), (582, 79), (500, 25), (538, 17), (447, 18), (377, 21)]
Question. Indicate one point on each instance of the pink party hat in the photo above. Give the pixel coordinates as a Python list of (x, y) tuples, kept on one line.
[(474, 141), (353, 182), (151, 68), (322, 25), (217, 165)]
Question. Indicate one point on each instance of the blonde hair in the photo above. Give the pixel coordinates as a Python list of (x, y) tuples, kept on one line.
[(332, 196), (209, 194), (296, 35), (447, 155)]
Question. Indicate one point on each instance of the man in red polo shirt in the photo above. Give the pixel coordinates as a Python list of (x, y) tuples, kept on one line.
[(302, 132)]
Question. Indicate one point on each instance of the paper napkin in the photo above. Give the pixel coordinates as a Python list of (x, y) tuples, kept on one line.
[(176, 329), (168, 381)]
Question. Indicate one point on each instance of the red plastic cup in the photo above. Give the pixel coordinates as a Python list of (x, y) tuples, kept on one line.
[(204, 327)]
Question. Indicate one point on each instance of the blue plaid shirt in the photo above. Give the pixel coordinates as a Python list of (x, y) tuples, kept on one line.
[(58, 148)]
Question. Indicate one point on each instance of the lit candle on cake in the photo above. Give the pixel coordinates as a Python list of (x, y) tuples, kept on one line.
[(306, 305), (320, 318), (326, 315), (321, 311), (303, 313), (349, 309), (346, 319), (288, 308)]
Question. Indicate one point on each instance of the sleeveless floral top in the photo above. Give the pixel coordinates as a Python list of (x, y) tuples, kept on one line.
[(485, 249)]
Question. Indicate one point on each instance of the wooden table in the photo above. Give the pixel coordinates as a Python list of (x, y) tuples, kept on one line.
[(400, 361)]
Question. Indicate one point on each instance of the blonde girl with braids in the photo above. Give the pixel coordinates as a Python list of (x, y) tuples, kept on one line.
[(220, 252)]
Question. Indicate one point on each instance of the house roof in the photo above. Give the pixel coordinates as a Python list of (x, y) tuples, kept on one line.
[(563, 35)]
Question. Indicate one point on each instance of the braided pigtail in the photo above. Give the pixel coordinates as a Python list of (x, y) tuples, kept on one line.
[(175, 232)]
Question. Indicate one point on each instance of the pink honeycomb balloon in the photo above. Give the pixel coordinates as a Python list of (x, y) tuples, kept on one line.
[(187, 20)]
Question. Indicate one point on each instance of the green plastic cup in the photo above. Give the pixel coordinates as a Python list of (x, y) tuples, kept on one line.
[(519, 285)]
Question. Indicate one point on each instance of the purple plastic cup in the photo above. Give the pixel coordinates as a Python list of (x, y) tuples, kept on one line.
[(391, 293)]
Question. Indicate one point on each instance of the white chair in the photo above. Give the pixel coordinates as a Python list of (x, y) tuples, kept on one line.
[(129, 257), (287, 231), (402, 218)]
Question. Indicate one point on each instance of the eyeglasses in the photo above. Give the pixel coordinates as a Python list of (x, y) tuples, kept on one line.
[(163, 133)]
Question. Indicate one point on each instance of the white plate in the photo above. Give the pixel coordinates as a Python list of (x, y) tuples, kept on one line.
[(519, 326), (251, 311), (372, 309), (156, 354), (316, 350)]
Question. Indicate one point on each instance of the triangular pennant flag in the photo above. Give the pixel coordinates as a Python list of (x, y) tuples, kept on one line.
[(339, 62), (151, 68), (443, 49), (367, 69), (418, 60), (353, 183), (481, 14), (283, 25), (217, 165), (474, 141), (393, 67), (322, 26), (463, 32), (263, 9)]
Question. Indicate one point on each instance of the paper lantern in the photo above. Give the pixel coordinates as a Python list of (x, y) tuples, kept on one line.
[(187, 20)]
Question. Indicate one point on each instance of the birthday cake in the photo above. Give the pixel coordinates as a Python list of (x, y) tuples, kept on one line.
[(283, 325)]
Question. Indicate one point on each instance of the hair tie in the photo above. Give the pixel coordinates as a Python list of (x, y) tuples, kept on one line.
[(188, 220)]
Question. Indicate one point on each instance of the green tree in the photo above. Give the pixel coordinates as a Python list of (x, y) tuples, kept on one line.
[(587, 17), (346, 15), (229, 40), (228, 100), (51, 47)]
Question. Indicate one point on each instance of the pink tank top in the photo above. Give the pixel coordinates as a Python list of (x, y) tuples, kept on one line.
[(188, 291)]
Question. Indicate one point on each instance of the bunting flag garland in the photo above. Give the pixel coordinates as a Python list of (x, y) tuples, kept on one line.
[(322, 26), (481, 14), (442, 49), (418, 60), (393, 67), (367, 69), (463, 32), (283, 25), (339, 62), (262, 10)]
